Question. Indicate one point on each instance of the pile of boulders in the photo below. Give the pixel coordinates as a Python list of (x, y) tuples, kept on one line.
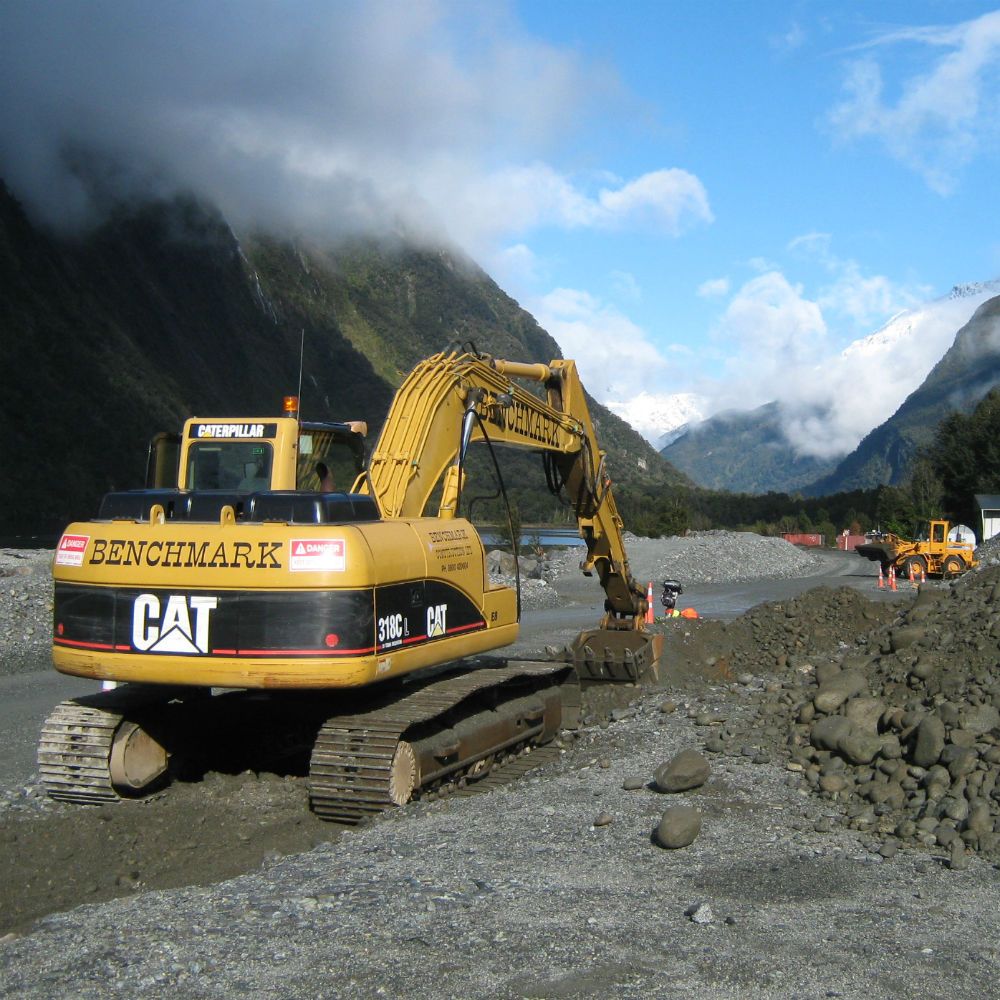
[(535, 569), (899, 727)]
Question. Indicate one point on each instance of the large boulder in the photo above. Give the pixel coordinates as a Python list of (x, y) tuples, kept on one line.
[(689, 769), (679, 827)]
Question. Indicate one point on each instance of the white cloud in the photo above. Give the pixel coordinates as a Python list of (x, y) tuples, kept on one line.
[(669, 200), (384, 117), (942, 117), (829, 407), (614, 355), (771, 322), (780, 348), (713, 288), (864, 300), (516, 199)]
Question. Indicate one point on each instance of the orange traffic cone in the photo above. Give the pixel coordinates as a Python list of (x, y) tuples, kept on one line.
[(892, 577), (923, 575), (881, 578), (650, 617)]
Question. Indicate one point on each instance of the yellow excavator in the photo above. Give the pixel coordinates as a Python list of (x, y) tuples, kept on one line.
[(241, 603)]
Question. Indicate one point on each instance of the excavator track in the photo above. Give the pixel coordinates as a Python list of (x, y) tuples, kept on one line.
[(361, 764), (74, 753), (96, 748)]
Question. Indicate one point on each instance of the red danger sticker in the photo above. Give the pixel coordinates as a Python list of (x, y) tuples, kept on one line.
[(71, 550), (315, 555)]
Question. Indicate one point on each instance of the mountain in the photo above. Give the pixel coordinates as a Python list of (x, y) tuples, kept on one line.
[(745, 452), (660, 419), (750, 451), (966, 373), (165, 311)]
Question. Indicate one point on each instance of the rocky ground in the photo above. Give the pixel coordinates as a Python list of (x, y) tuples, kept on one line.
[(847, 811), (25, 608)]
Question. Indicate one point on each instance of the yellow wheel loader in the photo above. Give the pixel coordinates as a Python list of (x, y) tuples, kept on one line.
[(935, 555), (272, 591)]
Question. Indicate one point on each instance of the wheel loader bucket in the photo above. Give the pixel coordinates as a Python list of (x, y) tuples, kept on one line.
[(615, 654)]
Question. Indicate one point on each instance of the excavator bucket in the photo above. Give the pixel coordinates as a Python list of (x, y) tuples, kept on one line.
[(615, 654)]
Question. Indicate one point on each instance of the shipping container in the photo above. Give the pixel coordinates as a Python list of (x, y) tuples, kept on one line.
[(803, 538)]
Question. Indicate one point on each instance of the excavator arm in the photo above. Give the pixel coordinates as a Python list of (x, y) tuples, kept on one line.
[(451, 400)]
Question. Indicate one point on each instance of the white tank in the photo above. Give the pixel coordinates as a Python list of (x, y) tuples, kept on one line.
[(962, 533)]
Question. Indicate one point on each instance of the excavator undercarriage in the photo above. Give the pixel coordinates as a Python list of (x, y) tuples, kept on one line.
[(364, 755)]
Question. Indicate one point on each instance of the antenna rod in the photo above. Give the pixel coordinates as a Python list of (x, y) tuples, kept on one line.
[(302, 351)]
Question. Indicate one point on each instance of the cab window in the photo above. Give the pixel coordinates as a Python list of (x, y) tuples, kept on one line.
[(243, 466), (938, 533), (325, 463)]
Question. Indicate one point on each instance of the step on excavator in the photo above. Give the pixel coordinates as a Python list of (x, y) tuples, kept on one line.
[(242, 607)]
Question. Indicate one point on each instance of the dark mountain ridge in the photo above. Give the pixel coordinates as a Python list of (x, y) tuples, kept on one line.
[(745, 452), (164, 311)]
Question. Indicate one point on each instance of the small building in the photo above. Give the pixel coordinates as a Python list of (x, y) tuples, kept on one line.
[(989, 510)]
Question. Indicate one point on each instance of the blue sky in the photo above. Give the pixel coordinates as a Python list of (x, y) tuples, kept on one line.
[(693, 198), (848, 158)]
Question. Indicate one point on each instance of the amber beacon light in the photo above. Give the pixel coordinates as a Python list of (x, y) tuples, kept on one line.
[(290, 406)]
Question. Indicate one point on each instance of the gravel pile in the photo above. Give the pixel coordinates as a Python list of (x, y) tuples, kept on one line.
[(706, 557), (25, 608), (988, 553)]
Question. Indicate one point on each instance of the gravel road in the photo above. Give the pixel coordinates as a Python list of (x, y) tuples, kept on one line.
[(796, 886)]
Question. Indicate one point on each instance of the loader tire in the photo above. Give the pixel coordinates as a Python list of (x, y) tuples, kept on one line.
[(916, 564), (953, 566)]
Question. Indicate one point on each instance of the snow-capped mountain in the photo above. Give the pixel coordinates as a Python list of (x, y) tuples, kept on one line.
[(947, 313), (660, 419), (823, 415), (895, 359)]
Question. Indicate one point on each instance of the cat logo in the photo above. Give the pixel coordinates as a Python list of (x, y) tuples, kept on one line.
[(437, 620), (181, 628)]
